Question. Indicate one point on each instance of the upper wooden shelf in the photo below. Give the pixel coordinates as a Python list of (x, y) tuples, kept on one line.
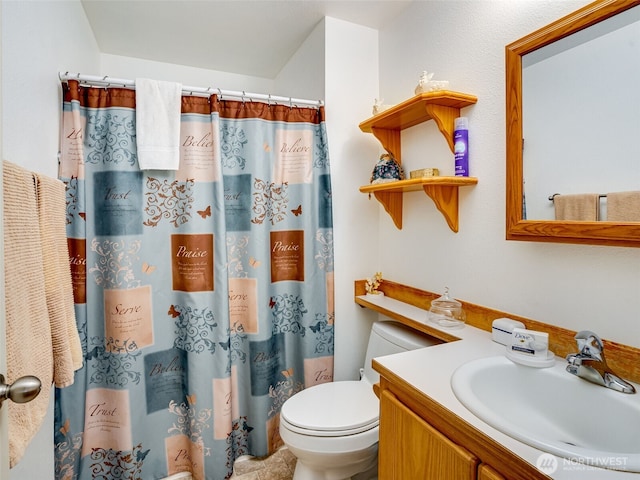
[(443, 107)]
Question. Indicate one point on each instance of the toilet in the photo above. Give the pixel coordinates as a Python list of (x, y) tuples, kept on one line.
[(332, 428)]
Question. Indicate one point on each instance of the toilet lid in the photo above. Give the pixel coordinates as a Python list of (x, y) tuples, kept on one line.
[(346, 407)]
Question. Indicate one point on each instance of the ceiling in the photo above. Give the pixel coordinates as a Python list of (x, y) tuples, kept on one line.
[(248, 37)]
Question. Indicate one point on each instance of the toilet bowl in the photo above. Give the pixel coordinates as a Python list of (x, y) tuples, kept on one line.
[(332, 428)]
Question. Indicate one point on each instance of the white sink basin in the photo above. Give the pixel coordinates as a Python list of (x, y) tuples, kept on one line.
[(554, 411)]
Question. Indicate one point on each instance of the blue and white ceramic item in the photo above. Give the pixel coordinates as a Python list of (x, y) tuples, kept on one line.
[(387, 170)]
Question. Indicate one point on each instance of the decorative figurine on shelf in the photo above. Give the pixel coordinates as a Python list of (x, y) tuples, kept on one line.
[(378, 106), (372, 284), (425, 84), (387, 170)]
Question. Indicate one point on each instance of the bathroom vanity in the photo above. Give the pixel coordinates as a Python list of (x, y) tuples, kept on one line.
[(420, 438), (423, 438), (426, 432)]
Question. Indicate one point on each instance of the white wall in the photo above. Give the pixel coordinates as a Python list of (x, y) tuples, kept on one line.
[(572, 286), (130, 68), (304, 74), (338, 62), (40, 39), (351, 84)]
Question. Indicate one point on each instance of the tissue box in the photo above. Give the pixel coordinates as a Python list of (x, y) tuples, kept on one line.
[(502, 329)]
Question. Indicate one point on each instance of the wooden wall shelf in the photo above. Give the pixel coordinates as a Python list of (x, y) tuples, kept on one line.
[(443, 107), (442, 190)]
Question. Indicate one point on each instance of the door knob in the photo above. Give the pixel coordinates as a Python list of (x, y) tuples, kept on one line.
[(23, 390)]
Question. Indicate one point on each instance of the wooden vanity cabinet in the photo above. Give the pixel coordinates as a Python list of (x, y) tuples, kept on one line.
[(421, 439), (411, 448), (485, 472)]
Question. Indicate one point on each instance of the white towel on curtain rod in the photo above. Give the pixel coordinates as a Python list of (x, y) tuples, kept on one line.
[(107, 81), (158, 124)]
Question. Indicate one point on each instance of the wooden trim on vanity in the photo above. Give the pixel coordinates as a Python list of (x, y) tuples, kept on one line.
[(623, 359)]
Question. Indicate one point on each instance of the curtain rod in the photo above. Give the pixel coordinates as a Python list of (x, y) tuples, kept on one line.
[(107, 81)]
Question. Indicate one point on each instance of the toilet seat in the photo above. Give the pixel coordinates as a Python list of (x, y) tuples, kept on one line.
[(332, 409)]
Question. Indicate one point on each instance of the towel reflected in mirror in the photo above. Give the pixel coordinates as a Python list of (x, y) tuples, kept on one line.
[(582, 207), (623, 206)]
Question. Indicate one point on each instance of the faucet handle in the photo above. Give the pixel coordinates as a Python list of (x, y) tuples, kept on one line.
[(590, 344)]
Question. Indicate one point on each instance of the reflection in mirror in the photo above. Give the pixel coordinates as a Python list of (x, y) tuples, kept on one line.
[(561, 96), (580, 116)]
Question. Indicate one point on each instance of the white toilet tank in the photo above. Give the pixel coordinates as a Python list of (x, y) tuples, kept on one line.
[(388, 337)]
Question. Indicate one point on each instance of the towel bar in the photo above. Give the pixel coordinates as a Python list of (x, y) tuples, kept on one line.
[(551, 197)]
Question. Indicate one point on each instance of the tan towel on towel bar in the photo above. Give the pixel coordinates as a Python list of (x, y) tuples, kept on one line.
[(67, 351), (29, 339), (28, 328), (623, 206), (583, 207)]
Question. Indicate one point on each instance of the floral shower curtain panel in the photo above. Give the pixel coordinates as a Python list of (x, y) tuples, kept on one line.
[(204, 296)]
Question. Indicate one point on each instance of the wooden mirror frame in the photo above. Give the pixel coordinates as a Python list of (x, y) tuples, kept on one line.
[(594, 233)]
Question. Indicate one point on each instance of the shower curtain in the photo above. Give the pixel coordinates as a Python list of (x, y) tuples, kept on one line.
[(204, 295)]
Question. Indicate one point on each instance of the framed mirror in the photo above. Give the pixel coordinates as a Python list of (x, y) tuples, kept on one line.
[(539, 112)]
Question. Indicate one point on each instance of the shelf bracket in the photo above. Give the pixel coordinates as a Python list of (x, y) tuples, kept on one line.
[(390, 140), (446, 200), (392, 203), (445, 119)]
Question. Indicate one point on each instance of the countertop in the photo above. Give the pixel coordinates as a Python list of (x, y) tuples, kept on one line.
[(434, 382)]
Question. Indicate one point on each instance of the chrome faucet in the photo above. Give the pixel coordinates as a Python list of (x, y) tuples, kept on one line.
[(589, 363)]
